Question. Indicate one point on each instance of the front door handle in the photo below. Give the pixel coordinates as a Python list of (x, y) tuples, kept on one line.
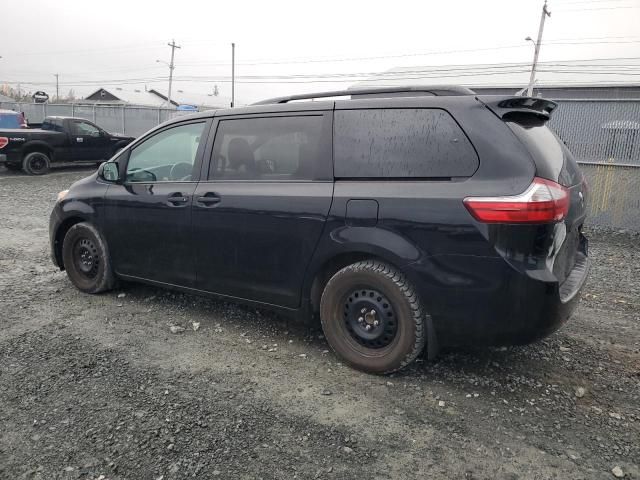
[(208, 199), (177, 199)]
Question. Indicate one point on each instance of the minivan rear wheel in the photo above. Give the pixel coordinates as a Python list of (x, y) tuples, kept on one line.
[(372, 317), (86, 259)]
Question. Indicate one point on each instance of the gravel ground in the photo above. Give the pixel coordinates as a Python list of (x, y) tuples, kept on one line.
[(97, 387)]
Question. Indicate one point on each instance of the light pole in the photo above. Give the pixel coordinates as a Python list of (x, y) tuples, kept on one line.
[(545, 13)]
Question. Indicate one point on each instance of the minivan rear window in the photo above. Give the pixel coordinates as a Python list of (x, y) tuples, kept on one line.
[(401, 143)]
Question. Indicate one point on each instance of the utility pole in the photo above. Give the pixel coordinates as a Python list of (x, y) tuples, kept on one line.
[(545, 13), (57, 87), (171, 67), (233, 74)]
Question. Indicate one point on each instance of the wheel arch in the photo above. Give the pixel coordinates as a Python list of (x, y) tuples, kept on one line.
[(37, 146), (59, 235), (320, 275)]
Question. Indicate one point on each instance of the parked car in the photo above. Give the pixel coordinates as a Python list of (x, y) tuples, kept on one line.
[(11, 119), (65, 139), (399, 217)]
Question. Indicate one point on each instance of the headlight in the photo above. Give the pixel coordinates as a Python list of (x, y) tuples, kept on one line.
[(62, 194)]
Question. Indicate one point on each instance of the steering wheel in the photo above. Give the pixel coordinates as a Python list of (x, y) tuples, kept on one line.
[(140, 175), (181, 171)]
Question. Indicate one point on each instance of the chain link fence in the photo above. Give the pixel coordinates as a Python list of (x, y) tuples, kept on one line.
[(600, 131), (604, 135)]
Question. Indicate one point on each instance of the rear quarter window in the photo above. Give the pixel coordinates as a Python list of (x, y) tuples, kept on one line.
[(52, 125), (552, 158), (401, 143)]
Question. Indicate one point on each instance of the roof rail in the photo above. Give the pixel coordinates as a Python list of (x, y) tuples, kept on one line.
[(437, 90)]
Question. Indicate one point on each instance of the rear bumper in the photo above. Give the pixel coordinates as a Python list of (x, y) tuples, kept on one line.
[(9, 158), (484, 301)]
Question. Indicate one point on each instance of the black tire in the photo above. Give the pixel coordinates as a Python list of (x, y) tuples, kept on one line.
[(86, 259), (362, 294), (13, 167), (36, 163)]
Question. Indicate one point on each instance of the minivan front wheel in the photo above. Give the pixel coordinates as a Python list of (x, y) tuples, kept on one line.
[(86, 259), (372, 317)]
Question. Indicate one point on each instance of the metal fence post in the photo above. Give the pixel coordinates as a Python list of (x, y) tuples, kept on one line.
[(158, 115), (44, 111), (94, 113), (124, 125), (73, 109)]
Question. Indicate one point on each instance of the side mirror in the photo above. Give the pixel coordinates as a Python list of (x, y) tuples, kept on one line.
[(109, 172)]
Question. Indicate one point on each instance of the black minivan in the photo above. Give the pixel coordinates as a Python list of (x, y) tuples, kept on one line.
[(402, 218)]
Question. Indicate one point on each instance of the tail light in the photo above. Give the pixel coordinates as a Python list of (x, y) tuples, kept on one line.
[(543, 202), (3, 142)]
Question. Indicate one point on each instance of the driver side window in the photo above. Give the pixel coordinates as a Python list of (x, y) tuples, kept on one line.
[(85, 128), (167, 156)]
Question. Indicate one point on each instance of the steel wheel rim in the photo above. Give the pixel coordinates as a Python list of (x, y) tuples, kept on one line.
[(369, 318), (86, 258), (37, 163)]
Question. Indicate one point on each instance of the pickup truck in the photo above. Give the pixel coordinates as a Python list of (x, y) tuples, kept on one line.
[(59, 139)]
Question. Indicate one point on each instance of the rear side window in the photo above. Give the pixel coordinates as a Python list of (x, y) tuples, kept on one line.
[(401, 143), (54, 125), (272, 148)]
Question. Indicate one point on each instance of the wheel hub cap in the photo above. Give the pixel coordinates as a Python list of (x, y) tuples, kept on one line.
[(86, 257), (37, 163), (370, 318)]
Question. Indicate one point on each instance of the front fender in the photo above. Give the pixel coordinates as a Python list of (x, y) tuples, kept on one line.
[(83, 203)]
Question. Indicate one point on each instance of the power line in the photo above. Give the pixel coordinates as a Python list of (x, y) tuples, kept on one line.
[(588, 64), (346, 79), (404, 55), (337, 78), (594, 9), (592, 2)]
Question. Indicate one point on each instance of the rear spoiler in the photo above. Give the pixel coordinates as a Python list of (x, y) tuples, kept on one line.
[(505, 107)]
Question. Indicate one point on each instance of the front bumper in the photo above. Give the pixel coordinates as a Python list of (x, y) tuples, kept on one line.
[(55, 248)]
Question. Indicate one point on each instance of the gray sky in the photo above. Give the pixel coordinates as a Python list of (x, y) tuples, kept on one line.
[(92, 44)]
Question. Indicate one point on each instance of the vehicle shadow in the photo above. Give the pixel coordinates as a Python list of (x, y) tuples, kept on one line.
[(480, 361)]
